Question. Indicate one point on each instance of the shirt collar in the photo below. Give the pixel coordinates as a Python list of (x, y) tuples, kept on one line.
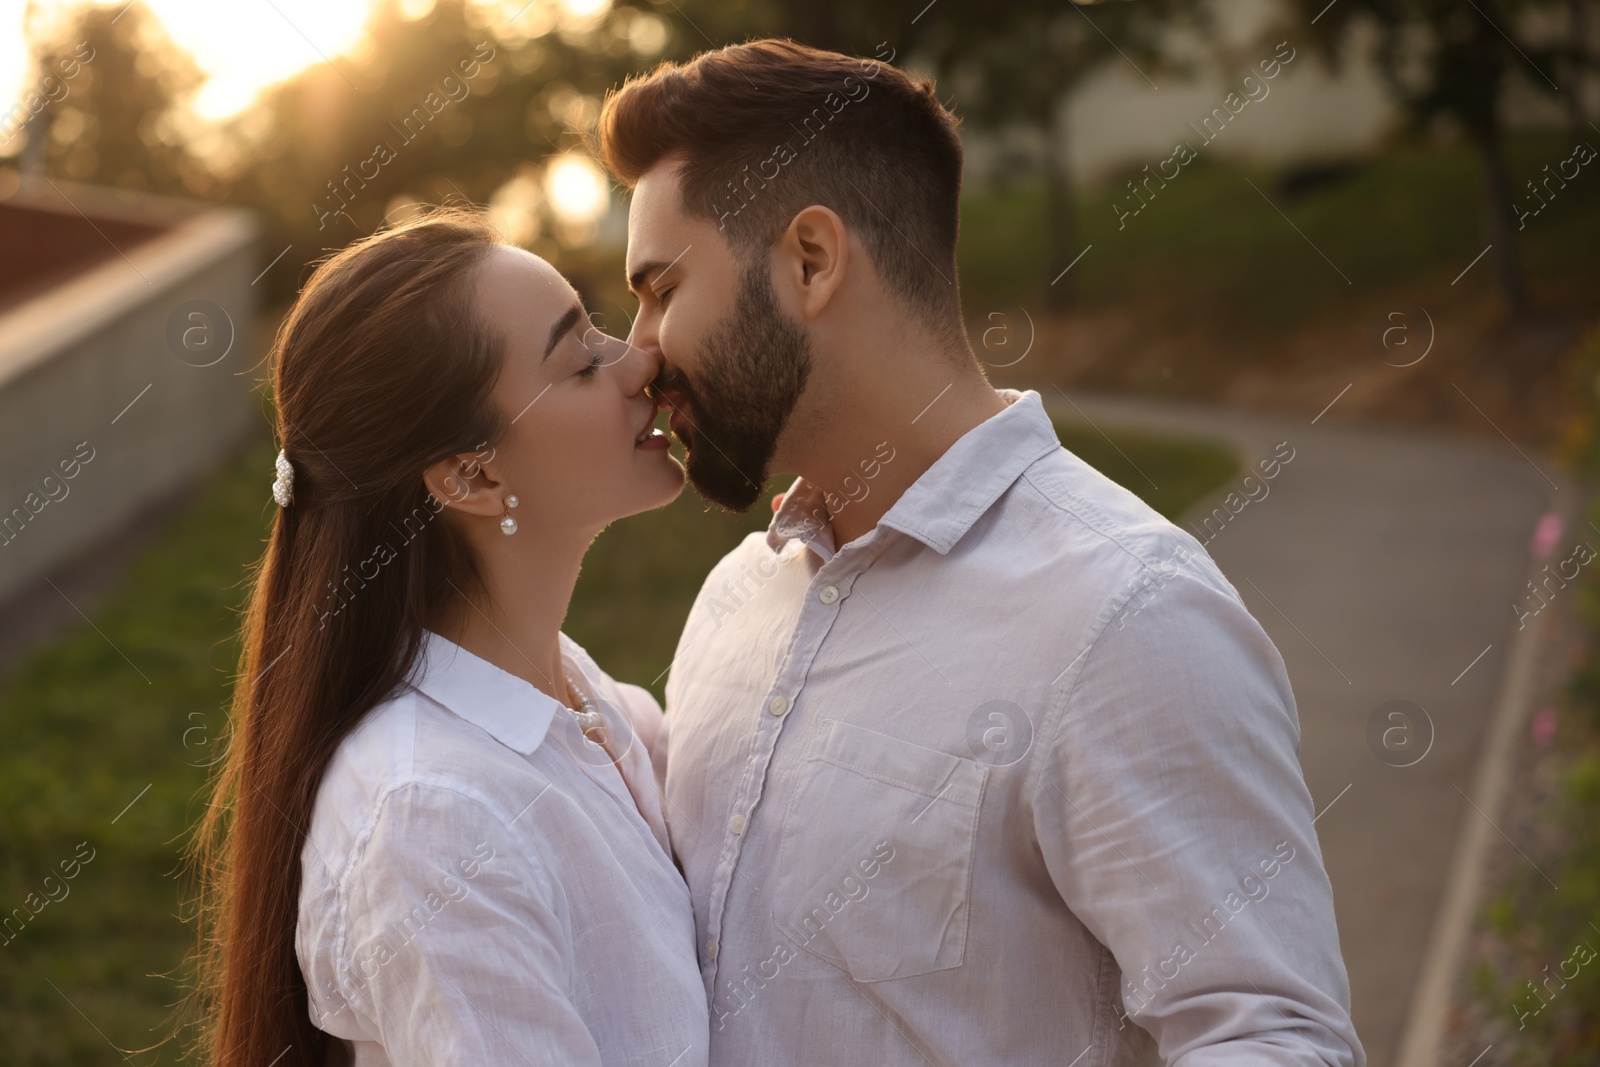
[(506, 707), (941, 505)]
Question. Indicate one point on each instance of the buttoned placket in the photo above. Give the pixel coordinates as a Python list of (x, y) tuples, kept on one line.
[(825, 597)]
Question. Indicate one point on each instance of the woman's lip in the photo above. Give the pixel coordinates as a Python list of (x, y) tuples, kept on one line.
[(647, 426), (655, 440)]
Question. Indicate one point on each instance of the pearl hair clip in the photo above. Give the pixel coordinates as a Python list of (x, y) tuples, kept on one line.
[(283, 484)]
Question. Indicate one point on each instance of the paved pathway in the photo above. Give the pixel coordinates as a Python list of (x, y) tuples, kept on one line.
[(1383, 562)]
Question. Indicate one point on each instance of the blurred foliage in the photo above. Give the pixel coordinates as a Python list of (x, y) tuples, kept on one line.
[(448, 105), (328, 154), (1444, 62), (1005, 66), (1211, 245), (108, 733), (1014, 64), (1550, 1002), (312, 154), (120, 121)]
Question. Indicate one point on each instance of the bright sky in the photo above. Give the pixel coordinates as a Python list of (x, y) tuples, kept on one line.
[(245, 45)]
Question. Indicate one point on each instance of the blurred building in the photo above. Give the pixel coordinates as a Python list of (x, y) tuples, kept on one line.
[(1124, 116), (126, 324)]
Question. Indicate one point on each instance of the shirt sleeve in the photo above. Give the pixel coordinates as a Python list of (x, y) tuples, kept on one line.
[(458, 946), (1175, 823)]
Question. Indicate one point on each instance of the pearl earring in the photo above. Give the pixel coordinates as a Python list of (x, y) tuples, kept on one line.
[(508, 525)]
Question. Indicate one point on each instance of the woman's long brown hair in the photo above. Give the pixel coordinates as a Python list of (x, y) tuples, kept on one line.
[(380, 370)]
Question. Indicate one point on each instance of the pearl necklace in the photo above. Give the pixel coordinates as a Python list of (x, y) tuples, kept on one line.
[(589, 718)]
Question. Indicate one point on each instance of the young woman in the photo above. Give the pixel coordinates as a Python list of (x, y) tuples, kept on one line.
[(437, 837)]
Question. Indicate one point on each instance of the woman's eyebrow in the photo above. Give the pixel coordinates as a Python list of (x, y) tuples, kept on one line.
[(566, 322)]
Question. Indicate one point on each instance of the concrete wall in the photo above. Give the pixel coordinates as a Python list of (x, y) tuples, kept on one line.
[(117, 387)]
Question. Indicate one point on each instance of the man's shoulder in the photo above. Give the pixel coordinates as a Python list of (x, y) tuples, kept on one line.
[(1067, 511), (752, 560)]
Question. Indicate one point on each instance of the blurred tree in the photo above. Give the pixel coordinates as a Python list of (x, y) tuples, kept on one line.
[(119, 120), (451, 104), (1577, 62), (1018, 65), (1012, 65), (1452, 62)]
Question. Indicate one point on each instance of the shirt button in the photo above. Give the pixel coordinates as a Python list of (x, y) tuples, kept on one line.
[(736, 824), (778, 705), (829, 594), (711, 949)]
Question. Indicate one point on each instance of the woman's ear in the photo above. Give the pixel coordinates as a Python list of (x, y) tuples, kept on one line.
[(816, 253), (464, 482)]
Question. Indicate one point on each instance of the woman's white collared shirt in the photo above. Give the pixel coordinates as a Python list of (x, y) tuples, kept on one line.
[(482, 885)]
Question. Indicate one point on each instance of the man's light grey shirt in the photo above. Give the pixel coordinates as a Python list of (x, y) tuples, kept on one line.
[(1010, 779)]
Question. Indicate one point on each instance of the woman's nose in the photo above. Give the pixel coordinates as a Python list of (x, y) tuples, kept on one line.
[(636, 366)]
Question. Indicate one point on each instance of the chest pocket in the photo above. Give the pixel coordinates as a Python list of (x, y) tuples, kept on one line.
[(875, 854)]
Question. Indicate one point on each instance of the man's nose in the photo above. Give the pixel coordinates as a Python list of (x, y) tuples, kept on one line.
[(642, 336), (642, 346), (640, 365)]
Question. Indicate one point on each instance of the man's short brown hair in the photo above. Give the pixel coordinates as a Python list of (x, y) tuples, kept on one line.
[(770, 127)]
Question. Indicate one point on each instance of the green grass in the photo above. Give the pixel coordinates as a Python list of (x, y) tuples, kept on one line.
[(89, 721), (136, 700), (1408, 216), (1169, 479)]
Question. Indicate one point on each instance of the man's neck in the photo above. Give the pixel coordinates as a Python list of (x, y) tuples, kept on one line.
[(882, 437)]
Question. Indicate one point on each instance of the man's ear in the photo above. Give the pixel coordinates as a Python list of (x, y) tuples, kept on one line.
[(463, 482), (815, 254)]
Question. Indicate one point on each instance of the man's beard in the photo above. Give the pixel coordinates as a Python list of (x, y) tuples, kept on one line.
[(752, 369)]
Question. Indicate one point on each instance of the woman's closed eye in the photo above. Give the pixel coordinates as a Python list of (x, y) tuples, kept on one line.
[(596, 359)]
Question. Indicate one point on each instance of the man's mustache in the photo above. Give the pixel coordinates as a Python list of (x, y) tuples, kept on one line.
[(671, 382)]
